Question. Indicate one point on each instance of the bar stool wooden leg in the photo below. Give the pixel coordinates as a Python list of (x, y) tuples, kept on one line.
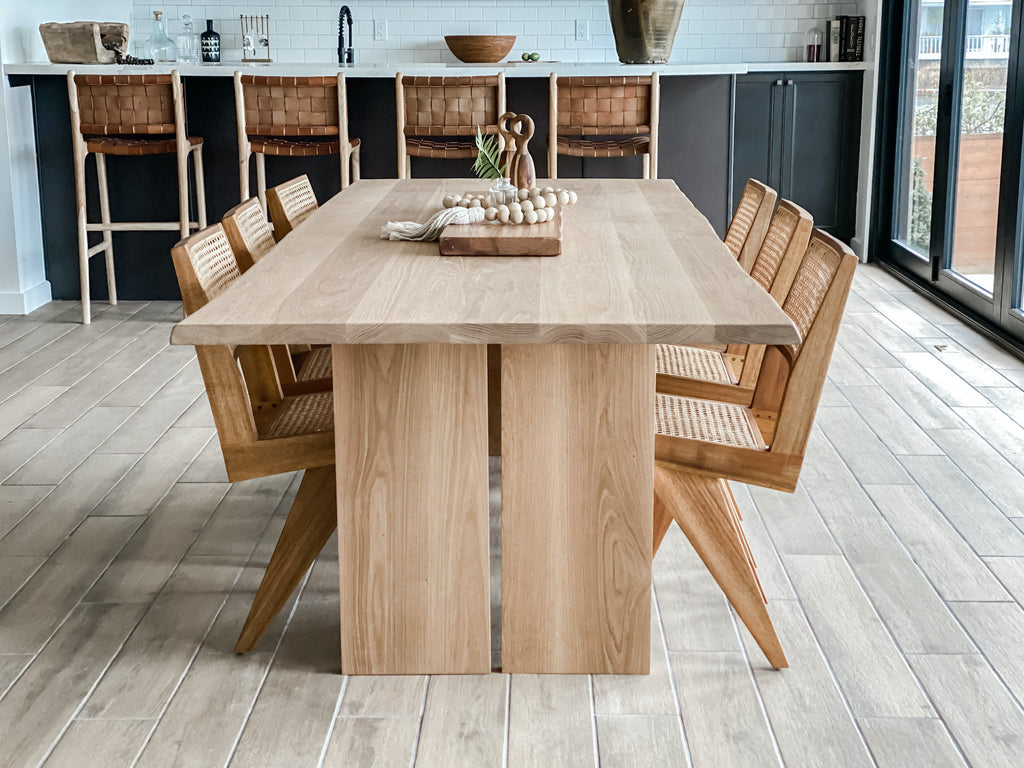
[(553, 126), (647, 166), (197, 162), (261, 178), (108, 240), (183, 217), (243, 174), (83, 262), (355, 164)]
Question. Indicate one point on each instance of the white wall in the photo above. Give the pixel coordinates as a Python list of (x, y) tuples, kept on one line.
[(23, 285), (307, 30)]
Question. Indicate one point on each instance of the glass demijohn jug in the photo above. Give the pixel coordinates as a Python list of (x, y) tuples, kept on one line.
[(160, 47)]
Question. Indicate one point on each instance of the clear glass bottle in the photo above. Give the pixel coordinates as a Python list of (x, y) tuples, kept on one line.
[(210, 44), (160, 47), (503, 193), (188, 42), (813, 45)]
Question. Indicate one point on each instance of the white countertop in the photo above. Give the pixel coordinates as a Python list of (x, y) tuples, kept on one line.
[(511, 69)]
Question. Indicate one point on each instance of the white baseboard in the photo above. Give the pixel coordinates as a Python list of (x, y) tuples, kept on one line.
[(24, 302)]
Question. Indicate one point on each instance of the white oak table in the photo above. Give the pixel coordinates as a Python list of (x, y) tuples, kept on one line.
[(409, 330)]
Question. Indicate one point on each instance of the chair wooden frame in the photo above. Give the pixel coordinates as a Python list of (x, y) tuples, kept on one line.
[(442, 125), (246, 429), (690, 481), (290, 204), (604, 102), (145, 137), (774, 267), (299, 368), (292, 126), (750, 222)]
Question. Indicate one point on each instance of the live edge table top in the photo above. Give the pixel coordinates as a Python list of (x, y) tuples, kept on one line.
[(640, 265)]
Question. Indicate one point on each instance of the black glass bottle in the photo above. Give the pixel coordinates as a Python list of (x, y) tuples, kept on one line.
[(210, 42)]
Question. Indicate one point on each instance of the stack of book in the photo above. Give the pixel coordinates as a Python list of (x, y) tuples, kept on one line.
[(844, 37)]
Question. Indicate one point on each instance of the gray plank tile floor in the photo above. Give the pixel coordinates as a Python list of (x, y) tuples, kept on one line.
[(895, 576)]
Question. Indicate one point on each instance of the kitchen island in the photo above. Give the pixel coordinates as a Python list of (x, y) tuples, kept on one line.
[(698, 121)]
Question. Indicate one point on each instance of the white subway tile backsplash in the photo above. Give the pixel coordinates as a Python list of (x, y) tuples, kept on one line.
[(306, 30)]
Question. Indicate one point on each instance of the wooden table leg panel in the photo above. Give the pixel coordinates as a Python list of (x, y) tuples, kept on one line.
[(411, 437), (577, 507)]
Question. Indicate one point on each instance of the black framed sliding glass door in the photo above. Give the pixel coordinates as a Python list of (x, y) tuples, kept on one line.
[(948, 195)]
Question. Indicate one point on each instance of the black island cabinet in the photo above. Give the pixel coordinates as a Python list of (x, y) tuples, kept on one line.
[(799, 132)]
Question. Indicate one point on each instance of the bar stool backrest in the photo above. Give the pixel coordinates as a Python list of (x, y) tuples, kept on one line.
[(750, 222), (290, 106), (290, 204), (450, 106), (248, 232), (115, 105), (590, 106)]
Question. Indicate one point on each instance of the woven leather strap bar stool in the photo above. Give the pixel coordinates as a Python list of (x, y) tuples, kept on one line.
[(292, 117), (433, 112), (622, 107), (128, 115)]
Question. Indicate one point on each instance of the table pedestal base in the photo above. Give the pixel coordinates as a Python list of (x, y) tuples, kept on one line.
[(577, 443), (411, 436)]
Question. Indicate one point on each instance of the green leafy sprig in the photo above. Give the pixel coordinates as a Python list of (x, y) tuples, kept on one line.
[(488, 157)]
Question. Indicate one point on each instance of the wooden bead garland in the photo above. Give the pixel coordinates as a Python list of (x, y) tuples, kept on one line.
[(535, 206)]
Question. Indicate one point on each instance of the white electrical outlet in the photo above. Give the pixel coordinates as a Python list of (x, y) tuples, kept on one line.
[(380, 30), (582, 30)]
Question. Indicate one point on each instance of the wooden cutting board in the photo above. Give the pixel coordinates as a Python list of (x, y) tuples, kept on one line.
[(493, 239)]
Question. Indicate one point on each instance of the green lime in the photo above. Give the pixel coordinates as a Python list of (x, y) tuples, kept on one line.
[(534, 57), (526, 56)]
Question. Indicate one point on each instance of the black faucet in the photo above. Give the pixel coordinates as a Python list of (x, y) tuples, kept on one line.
[(345, 55)]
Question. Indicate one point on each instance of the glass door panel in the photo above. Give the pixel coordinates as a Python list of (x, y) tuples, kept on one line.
[(919, 106), (980, 144)]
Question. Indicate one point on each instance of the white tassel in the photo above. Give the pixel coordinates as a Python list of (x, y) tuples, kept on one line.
[(431, 230)]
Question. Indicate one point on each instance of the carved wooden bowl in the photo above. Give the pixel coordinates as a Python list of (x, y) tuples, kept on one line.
[(480, 49)]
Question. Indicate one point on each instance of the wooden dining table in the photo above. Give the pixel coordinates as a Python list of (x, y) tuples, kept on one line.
[(410, 332)]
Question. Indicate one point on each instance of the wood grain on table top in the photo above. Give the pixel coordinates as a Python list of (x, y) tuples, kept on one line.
[(640, 265)]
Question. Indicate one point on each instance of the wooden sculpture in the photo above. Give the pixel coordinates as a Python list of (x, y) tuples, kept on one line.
[(509, 143), (522, 171)]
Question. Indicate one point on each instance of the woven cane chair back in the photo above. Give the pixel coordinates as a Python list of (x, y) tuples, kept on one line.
[(782, 250), (205, 265), (590, 106), (248, 232), (815, 303), (290, 204), (451, 106), (749, 222), (113, 105), (290, 106)]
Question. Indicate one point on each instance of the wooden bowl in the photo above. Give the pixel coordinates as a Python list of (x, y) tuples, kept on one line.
[(480, 49)]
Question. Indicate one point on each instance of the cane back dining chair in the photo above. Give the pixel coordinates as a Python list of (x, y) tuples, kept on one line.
[(701, 444), (604, 106), (292, 117), (731, 374), (128, 116), (299, 368), (750, 222), (436, 114), (290, 204), (262, 437)]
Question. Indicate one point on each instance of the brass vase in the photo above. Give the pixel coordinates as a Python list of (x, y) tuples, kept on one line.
[(644, 29)]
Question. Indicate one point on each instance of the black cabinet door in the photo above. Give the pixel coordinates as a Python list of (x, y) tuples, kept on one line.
[(800, 133), (757, 131), (821, 144)]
